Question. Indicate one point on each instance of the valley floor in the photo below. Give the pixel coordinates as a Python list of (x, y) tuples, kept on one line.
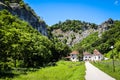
[(64, 70)]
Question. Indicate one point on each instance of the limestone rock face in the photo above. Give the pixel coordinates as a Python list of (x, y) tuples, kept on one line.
[(70, 37), (105, 26), (25, 13)]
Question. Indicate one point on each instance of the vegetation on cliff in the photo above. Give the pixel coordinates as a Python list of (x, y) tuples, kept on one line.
[(71, 32), (21, 46), (25, 12), (109, 38), (73, 25), (86, 43)]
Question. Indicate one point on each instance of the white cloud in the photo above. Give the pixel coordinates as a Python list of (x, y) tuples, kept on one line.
[(116, 2)]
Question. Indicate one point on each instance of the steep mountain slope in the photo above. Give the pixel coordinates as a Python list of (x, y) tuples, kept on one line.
[(74, 31), (24, 12), (21, 45), (108, 38)]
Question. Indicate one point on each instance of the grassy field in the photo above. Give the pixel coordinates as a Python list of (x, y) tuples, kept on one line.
[(64, 70), (107, 67)]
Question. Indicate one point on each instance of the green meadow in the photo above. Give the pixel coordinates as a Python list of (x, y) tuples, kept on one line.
[(64, 70)]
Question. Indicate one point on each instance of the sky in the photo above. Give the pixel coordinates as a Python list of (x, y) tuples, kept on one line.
[(94, 11)]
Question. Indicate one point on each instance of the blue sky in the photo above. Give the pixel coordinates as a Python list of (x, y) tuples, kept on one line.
[(95, 11)]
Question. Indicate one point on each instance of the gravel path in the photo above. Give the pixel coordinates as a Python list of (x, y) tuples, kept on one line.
[(93, 73)]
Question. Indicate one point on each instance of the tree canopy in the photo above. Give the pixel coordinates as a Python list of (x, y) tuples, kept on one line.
[(23, 46), (73, 25)]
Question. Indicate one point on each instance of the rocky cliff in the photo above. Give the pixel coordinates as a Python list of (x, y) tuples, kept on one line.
[(24, 12), (105, 26), (71, 37)]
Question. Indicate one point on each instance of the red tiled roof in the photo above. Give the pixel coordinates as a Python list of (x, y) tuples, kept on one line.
[(86, 53), (75, 52), (96, 52), (68, 57)]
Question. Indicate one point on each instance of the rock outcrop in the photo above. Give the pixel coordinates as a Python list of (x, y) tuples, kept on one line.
[(70, 37), (24, 12), (105, 26)]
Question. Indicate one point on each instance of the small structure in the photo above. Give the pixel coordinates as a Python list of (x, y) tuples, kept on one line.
[(96, 56), (74, 56), (86, 56)]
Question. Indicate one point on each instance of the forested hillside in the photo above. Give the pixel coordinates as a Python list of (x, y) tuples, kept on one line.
[(85, 44), (109, 38), (83, 36), (21, 46), (73, 25)]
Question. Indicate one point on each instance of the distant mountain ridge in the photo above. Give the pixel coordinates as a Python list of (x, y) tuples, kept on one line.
[(24, 12)]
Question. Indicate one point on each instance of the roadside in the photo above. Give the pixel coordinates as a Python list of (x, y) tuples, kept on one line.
[(93, 73)]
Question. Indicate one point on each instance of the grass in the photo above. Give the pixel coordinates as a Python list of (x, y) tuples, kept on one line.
[(107, 67), (8, 75), (64, 70)]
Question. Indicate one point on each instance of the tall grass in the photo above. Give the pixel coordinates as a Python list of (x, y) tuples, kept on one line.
[(63, 71), (107, 67)]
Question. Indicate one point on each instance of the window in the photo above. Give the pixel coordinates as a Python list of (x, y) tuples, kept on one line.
[(72, 55), (99, 57)]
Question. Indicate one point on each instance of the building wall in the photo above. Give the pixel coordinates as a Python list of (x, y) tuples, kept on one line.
[(87, 57), (74, 57), (93, 57)]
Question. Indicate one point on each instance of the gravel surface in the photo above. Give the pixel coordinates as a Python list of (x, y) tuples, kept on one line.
[(93, 73)]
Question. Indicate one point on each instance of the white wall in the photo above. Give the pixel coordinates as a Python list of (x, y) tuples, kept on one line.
[(74, 57), (86, 57), (93, 57)]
